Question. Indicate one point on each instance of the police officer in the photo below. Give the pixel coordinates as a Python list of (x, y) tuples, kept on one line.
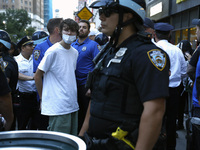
[(178, 67), (29, 107), (5, 100), (195, 70), (129, 83), (11, 67), (54, 37), (87, 49), (101, 39), (191, 69), (39, 37)]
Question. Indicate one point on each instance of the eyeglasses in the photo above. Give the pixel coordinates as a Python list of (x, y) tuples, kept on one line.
[(107, 11)]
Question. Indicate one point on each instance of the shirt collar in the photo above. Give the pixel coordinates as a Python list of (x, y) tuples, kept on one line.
[(24, 59), (49, 42), (84, 42)]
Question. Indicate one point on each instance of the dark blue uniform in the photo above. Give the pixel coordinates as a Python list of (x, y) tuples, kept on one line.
[(11, 71), (87, 51), (38, 53), (123, 79), (4, 88)]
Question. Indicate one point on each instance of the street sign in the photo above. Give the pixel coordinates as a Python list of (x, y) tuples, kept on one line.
[(85, 14)]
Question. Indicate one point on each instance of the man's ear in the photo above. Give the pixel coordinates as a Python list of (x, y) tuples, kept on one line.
[(57, 29), (127, 16)]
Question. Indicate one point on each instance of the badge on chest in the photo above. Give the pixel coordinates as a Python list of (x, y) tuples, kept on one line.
[(118, 56)]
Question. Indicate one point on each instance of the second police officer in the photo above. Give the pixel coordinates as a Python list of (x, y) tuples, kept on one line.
[(11, 70), (129, 83)]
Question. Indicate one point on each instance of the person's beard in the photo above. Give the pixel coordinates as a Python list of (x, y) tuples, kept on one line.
[(82, 36)]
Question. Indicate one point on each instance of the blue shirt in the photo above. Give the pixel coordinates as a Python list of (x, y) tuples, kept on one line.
[(194, 93), (38, 52), (87, 52)]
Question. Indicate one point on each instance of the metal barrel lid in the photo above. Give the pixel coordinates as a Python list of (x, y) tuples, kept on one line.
[(39, 140)]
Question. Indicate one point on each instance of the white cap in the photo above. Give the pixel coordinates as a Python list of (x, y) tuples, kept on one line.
[(93, 32)]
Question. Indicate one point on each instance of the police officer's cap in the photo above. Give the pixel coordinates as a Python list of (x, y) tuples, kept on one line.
[(39, 37), (161, 26), (196, 22), (5, 39), (148, 23), (24, 41)]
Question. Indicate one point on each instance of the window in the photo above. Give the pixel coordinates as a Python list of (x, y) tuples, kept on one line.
[(29, 3), (193, 37), (13, 7), (22, 1), (26, 2), (13, 1), (177, 36), (5, 1), (185, 34)]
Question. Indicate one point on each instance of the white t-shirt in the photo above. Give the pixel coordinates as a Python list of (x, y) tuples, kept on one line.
[(59, 94)]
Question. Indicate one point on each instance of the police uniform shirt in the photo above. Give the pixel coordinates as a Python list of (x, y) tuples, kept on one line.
[(38, 53), (195, 57), (194, 92), (11, 71), (25, 67), (4, 88), (87, 51), (127, 78), (178, 64)]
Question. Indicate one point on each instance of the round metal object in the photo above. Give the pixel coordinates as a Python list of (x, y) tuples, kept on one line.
[(39, 140)]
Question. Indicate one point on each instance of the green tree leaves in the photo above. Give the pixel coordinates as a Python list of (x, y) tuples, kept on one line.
[(16, 22)]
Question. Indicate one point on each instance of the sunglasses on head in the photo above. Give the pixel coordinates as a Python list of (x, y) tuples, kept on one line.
[(107, 11)]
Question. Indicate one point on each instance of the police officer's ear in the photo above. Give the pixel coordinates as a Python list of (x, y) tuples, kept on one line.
[(127, 16), (57, 30)]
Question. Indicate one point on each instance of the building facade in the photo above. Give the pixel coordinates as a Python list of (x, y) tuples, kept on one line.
[(48, 11), (178, 13)]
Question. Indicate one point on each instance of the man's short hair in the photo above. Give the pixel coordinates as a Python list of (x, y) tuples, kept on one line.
[(52, 24), (163, 35), (73, 25), (86, 21)]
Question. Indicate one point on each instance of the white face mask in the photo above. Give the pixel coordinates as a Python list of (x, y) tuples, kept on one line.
[(68, 39)]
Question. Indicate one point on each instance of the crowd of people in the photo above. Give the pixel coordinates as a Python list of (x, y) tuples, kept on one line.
[(126, 81)]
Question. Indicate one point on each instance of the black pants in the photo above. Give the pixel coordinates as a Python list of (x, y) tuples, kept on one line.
[(29, 111), (83, 102), (182, 101), (170, 116)]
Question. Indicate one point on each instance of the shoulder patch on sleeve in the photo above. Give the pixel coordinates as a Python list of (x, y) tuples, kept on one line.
[(5, 63), (157, 58), (36, 54)]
